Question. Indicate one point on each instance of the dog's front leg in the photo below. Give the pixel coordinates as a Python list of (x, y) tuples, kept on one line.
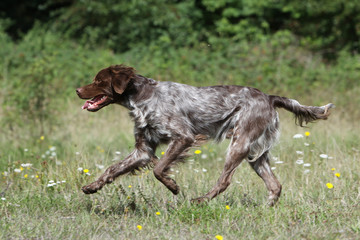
[(176, 151), (139, 158)]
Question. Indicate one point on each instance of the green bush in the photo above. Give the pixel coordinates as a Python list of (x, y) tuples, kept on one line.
[(325, 26)]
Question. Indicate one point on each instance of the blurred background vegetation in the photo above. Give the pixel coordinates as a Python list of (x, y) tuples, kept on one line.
[(300, 49)]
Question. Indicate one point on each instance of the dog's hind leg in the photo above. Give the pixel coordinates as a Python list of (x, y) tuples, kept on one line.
[(238, 150), (262, 168), (142, 156)]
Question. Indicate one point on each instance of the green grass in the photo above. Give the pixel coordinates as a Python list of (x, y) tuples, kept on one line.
[(307, 208)]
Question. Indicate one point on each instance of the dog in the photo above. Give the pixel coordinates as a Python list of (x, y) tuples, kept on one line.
[(184, 116)]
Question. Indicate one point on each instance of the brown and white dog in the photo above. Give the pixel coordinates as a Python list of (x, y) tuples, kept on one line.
[(184, 116)]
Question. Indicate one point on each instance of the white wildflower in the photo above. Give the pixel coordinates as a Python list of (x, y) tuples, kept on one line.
[(279, 162), (117, 152), (3, 198), (300, 152), (299, 161), (203, 156), (26, 165), (53, 149), (273, 168), (80, 169), (17, 170), (99, 166), (324, 156), (306, 171), (306, 144), (77, 153), (204, 170), (53, 154), (25, 150), (298, 136), (307, 164)]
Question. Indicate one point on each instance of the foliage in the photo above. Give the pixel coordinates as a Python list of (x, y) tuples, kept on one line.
[(121, 25), (328, 26)]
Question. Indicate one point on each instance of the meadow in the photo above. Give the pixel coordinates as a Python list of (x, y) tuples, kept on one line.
[(42, 176)]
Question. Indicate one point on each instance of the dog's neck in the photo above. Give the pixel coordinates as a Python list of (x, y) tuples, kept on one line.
[(139, 89)]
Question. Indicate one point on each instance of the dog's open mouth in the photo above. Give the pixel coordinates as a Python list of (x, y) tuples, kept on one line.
[(96, 103)]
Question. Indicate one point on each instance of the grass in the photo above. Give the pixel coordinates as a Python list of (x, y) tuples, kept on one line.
[(307, 209)]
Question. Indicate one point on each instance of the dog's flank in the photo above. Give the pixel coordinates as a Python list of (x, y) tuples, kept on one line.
[(184, 116)]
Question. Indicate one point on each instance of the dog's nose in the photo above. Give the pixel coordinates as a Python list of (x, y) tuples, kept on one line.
[(78, 91)]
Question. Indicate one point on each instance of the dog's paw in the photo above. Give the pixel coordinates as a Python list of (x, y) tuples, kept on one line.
[(91, 188), (272, 201)]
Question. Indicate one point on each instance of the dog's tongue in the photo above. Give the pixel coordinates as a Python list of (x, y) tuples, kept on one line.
[(86, 105), (92, 101)]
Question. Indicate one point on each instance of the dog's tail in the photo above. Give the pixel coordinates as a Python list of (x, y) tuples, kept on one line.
[(302, 113)]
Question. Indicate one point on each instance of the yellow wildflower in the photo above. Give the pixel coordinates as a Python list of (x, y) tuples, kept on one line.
[(86, 170), (333, 169), (337, 174), (37, 176), (329, 185), (197, 151), (162, 153), (227, 207), (219, 237), (307, 134), (42, 138), (158, 213), (21, 168), (129, 186), (25, 176), (139, 227)]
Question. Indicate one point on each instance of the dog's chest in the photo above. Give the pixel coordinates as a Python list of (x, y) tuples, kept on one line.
[(151, 123)]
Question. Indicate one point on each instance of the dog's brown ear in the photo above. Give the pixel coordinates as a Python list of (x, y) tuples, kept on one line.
[(121, 76)]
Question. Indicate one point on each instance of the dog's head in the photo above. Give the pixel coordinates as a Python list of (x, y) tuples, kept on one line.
[(107, 85)]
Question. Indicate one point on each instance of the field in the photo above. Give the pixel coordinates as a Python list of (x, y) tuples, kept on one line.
[(43, 200)]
